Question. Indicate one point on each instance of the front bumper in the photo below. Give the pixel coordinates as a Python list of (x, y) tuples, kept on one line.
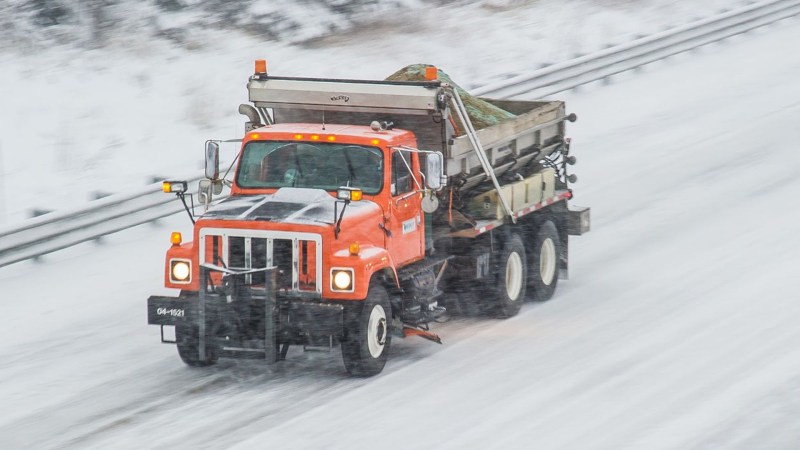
[(246, 321), (311, 317)]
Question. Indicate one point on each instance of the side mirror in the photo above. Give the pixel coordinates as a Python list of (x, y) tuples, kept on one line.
[(212, 160), (434, 171), (204, 195)]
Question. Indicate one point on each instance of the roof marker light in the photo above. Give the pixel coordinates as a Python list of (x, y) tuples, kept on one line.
[(331, 138), (261, 66), (298, 136), (431, 73)]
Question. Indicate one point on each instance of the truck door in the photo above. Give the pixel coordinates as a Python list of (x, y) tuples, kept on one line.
[(405, 223)]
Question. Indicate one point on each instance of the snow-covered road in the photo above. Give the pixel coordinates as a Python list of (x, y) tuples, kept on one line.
[(679, 328)]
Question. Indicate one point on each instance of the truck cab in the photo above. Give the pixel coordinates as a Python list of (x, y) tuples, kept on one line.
[(287, 180)]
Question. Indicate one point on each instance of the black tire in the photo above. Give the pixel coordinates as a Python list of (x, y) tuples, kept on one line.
[(510, 278), (187, 337), (368, 338), (545, 262)]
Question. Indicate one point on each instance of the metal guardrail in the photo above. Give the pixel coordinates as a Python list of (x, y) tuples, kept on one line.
[(58, 230), (55, 231), (613, 60)]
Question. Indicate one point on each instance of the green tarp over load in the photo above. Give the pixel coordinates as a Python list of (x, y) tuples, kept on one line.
[(482, 114)]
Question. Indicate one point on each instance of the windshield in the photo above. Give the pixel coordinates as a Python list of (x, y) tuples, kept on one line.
[(324, 165)]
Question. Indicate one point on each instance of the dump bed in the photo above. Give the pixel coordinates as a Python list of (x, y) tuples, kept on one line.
[(535, 132), (425, 108)]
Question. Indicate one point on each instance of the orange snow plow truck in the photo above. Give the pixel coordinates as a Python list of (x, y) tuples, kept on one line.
[(365, 210)]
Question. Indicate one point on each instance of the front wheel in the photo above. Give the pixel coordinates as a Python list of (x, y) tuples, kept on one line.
[(545, 262), (512, 270), (187, 336), (366, 344)]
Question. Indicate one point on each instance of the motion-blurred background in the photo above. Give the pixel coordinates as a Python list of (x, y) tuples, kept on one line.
[(102, 96), (678, 327)]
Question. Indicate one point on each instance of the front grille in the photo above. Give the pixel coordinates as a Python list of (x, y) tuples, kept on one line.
[(297, 256)]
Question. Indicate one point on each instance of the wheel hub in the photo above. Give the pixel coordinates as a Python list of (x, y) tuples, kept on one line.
[(514, 276), (547, 261), (376, 331)]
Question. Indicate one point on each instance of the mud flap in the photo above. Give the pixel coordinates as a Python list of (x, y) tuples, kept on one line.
[(579, 220)]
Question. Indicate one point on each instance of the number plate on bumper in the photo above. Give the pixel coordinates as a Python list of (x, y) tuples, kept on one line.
[(167, 310)]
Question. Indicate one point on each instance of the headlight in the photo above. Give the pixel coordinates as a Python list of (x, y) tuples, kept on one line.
[(180, 271), (342, 280)]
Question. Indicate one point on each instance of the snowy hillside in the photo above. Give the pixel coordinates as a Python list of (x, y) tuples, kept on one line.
[(100, 23), (103, 23)]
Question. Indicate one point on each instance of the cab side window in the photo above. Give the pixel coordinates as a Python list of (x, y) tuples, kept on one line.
[(401, 175)]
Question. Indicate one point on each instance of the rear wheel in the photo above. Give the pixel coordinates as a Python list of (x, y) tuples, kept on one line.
[(187, 336), (545, 262), (366, 345), (511, 278)]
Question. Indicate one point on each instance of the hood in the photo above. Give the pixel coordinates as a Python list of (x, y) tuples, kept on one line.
[(288, 205)]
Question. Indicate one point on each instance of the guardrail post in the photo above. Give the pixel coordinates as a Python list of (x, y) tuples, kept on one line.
[(97, 195), (36, 212)]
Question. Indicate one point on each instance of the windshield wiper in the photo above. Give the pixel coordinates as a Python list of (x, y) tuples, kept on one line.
[(350, 170)]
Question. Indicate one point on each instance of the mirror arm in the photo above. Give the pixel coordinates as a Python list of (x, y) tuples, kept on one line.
[(338, 226), (191, 200), (236, 158), (182, 196)]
